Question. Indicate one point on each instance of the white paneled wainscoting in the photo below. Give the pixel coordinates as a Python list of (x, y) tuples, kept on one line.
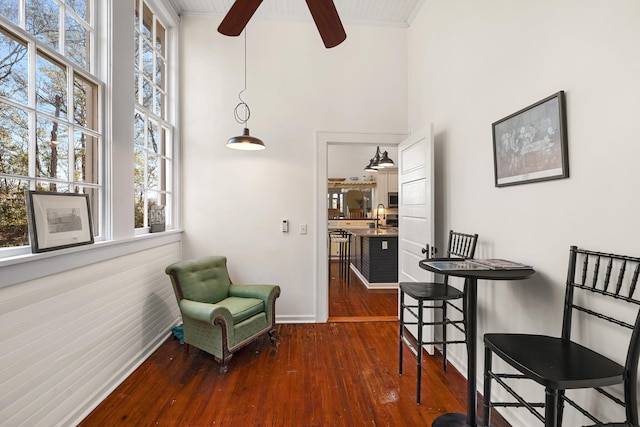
[(68, 339)]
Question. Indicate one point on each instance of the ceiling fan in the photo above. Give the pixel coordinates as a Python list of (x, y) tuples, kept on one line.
[(324, 14)]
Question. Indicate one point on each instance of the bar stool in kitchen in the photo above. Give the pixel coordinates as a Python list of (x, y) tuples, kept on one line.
[(460, 245), (343, 239)]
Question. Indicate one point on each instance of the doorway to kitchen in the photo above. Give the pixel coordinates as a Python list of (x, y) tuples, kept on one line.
[(339, 298)]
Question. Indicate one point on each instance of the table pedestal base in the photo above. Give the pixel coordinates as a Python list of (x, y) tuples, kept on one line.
[(452, 420)]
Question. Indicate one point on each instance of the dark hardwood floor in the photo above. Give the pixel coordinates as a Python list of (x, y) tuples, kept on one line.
[(326, 374), (349, 299)]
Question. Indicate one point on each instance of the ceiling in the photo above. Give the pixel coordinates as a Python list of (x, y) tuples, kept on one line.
[(359, 12)]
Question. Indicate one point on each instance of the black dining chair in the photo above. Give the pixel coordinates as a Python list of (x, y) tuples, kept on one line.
[(600, 293), (441, 294)]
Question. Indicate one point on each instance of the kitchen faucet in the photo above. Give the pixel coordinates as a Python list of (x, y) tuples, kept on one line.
[(378, 214)]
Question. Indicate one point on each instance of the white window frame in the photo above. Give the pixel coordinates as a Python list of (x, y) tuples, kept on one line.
[(113, 18), (168, 118), (34, 45)]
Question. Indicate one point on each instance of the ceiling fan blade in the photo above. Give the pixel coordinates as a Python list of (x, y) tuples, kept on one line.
[(238, 16), (326, 17)]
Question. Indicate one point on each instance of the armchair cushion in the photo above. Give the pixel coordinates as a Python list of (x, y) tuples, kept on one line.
[(242, 308)]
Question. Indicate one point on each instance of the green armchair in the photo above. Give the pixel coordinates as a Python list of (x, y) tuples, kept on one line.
[(220, 317)]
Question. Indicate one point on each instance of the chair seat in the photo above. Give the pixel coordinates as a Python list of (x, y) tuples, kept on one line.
[(430, 291), (554, 362), (242, 308)]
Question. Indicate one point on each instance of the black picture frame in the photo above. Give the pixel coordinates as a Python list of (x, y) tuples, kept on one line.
[(156, 218), (531, 145), (58, 220)]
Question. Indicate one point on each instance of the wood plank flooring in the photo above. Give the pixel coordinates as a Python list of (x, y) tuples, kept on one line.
[(351, 299), (329, 374)]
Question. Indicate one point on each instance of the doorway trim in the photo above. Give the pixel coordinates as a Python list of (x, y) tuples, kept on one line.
[(323, 140)]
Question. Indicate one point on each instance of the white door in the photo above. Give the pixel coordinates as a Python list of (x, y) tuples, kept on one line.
[(416, 212)]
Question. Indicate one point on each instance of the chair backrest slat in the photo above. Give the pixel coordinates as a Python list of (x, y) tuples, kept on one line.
[(623, 267), (596, 270), (634, 281), (607, 276)]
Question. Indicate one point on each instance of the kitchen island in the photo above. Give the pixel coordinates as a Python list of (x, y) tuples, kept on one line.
[(374, 256)]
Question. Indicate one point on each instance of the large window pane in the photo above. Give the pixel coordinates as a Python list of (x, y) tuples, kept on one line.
[(140, 159), (153, 170), (147, 59), (52, 149), (153, 136), (13, 213), (9, 9), (43, 18), (52, 186), (161, 39), (147, 22), (147, 94), (139, 209), (14, 140), (51, 90), (139, 130), (85, 158), (76, 42), (14, 63), (85, 100), (81, 7)]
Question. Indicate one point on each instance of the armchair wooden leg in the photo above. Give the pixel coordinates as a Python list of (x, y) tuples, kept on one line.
[(275, 338), (223, 363)]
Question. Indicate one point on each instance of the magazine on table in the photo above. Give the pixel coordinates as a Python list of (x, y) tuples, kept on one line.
[(477, 264)]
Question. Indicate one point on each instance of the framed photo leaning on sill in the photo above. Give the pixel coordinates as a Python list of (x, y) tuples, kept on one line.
[(58, 220), (531, 144)]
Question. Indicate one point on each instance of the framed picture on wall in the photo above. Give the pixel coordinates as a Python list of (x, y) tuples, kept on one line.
[(58, 220), (531, 145)]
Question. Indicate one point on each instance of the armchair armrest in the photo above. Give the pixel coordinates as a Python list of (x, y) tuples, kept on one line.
[(204, 312), (263, 292), (267, 293)]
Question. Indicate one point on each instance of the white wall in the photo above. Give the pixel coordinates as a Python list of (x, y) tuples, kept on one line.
[(68, 339), (473, 63), (234, 201), (346, 161)]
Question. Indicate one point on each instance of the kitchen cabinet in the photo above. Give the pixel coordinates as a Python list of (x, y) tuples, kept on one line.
[(386, 181), (374, 254)]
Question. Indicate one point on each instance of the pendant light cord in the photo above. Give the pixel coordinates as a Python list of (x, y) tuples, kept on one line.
[(243, 119)]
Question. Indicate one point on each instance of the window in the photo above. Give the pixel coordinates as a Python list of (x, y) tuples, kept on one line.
[(51, 132), (153, 128)]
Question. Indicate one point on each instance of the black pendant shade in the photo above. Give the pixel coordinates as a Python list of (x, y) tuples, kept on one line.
[(245, 142), (379, 161)]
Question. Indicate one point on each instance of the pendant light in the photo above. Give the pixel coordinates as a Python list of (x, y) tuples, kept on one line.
[(385, 161), (369, 167), (379, 161), (244, 141)]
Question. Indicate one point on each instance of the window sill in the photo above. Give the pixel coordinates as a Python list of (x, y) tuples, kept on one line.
[(27, 267)]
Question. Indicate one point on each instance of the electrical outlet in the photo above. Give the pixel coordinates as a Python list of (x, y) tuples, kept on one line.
[(285, 226), (303, 228)]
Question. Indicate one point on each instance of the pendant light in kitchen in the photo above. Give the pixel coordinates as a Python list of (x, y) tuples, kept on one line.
[(379, 161)]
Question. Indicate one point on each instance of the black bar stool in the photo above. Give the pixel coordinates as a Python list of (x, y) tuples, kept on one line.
[(461, 246), (343, 239)]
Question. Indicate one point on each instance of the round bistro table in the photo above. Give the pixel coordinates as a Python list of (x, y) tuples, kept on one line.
[(471, 290)]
